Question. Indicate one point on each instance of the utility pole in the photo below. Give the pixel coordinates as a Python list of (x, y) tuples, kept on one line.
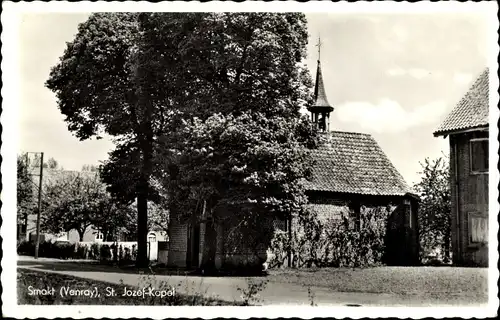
[(37, 245), (40, 175), (26, 214)]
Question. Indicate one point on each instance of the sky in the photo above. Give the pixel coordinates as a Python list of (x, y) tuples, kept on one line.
[(395, 77)]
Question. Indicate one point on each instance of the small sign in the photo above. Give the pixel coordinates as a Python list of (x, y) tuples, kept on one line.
[(478, 228)]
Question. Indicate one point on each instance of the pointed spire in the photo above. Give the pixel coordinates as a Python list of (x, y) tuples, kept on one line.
[(320, 100)]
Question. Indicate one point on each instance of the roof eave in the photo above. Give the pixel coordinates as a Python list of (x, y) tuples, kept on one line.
[(361, 193), (446, 133), (318, 108), (412, 195)]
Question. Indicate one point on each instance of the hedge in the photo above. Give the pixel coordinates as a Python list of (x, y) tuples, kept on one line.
[(96, 251)]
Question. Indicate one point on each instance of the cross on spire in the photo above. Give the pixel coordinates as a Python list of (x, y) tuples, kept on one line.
[(319, 47)]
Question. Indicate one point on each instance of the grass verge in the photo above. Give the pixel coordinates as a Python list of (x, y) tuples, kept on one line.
[(392, 280)]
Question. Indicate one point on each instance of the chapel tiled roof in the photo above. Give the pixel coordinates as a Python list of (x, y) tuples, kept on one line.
[(471, 111), (351, 162)]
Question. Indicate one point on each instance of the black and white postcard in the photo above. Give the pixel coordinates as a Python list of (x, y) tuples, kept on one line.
[(256, 159)]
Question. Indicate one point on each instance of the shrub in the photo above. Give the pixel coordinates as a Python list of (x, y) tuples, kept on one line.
[(333, 242), (133, 252), (64, 250), (26, 248), (48, 249), (114, 252), (127, 255), (105, 252), (94, 252), (121, 253), (279, 248), (82, 251)]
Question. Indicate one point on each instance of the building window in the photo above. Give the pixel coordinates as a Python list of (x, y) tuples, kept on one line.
[(407, 210), (479, 155), (280, 224), (355, 216), (152, 238), (286, 225), (478, 228)]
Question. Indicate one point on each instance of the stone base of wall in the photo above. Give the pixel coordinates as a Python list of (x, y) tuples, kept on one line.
[(473, 257), (243, 261)]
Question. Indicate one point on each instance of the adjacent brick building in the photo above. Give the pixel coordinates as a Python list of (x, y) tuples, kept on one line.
[(350, 171), (467, 127)]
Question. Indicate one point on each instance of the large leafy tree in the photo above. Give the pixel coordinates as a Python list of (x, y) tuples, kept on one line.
[(78, 200), (90, 168), (105, 83), (137, 76), (243, 172), (435, 207), (51, 164), (112, 218), (158, 219), (238, 154), (70, 201)]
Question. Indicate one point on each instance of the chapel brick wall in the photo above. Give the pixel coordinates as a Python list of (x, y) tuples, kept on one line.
[(177, 244), (235, 252), (402, 241), (326, 207)]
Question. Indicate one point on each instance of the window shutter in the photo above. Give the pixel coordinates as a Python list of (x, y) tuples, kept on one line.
[(479, 155)]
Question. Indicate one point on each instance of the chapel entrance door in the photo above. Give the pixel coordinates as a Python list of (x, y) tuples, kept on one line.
[(210, 247), (193, 252)]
